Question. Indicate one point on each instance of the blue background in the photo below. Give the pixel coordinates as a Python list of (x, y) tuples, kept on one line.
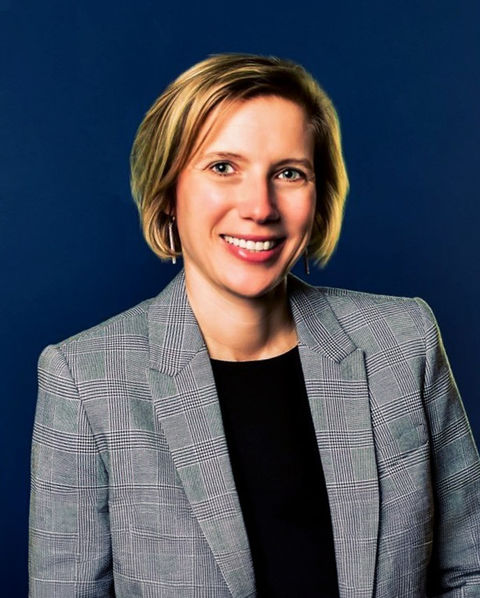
[(76, 81)]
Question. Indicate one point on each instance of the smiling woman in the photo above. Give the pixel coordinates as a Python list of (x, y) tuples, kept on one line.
[(242, 229), (243, 433)]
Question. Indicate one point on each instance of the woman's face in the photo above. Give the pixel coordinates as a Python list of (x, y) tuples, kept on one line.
[(245, 202)]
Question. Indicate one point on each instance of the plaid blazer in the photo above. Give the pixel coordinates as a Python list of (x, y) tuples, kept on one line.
[(132, 492)]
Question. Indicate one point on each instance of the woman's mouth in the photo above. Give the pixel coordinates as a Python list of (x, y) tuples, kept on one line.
[(251, 245), (254, 249)]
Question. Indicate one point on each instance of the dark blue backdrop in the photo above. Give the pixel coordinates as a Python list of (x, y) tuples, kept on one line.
[(77, 78)]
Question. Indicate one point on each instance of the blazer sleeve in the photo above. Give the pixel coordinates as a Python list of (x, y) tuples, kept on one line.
[(455, 570), (69, 538)]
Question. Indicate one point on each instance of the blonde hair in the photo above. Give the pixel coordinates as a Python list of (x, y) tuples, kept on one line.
[(169, 131)]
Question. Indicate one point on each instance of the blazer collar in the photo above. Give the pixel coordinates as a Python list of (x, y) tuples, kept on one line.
[(186, 405), (175, 336)]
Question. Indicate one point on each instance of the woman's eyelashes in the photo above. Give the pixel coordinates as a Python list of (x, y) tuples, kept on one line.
[(289, 174), (293, 174), (221, 168)]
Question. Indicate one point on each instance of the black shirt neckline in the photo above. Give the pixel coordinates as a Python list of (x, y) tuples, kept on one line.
[(267, 360)]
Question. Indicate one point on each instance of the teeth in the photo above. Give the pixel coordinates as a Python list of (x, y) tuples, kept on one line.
[(250, 245)]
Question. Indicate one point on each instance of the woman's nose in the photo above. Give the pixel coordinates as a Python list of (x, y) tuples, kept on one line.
[(257, 200)]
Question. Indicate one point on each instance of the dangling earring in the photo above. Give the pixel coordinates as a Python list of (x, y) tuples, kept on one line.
[(305, 262), (170, 238)]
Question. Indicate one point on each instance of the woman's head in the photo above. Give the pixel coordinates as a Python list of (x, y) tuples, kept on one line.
[(170, 134)]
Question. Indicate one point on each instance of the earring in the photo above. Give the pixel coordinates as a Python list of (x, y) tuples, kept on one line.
[(305, 262), (170, 238)]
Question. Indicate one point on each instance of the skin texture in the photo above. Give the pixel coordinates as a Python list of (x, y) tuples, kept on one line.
[(263, 190)]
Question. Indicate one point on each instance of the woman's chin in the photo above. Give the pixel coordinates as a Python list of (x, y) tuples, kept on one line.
[(253, 286)]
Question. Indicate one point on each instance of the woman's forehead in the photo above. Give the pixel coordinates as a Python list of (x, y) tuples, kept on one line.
[(224, 114)]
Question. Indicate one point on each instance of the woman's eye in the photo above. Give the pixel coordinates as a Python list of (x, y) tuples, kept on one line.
[(223, 168), (291, 174)]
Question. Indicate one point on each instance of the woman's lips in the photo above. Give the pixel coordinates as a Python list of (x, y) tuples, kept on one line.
[(254, 237), (248, 248)]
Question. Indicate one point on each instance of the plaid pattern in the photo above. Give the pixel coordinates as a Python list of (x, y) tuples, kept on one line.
[(132, 493)]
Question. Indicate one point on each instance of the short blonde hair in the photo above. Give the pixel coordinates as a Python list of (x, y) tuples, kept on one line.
[(169, 131)]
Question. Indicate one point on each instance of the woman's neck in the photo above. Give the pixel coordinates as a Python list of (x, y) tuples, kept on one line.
[(241, 328)]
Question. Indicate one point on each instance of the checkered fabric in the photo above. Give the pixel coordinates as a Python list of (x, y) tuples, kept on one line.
[(132, 492)]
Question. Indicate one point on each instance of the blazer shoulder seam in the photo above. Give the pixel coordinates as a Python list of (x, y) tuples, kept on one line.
[(139, 310), (342, 292)]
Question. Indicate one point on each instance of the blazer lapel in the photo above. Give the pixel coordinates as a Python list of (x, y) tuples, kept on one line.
[(337, 389), (186, 405)]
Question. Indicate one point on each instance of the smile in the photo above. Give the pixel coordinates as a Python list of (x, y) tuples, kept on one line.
[(252, 245)]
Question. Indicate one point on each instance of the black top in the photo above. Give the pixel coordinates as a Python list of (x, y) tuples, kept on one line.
[(278, 475)]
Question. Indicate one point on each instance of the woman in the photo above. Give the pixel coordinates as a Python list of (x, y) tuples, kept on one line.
[(244, 433)]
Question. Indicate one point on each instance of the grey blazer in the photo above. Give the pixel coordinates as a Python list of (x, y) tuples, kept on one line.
[(132, 492)]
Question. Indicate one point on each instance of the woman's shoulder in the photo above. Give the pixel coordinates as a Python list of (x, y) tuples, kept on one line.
[(131, 321), (130, 324), (356, 309), (348, 300), (125, 331)]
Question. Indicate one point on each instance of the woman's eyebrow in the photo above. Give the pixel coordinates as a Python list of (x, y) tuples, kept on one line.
[(302, 161), (224, 155)]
